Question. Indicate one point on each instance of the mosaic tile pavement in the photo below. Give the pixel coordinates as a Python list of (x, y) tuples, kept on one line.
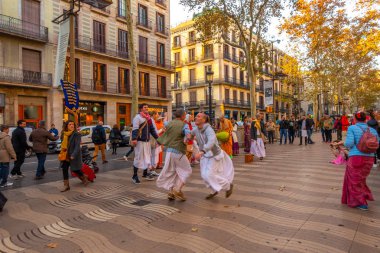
[(290, 202)]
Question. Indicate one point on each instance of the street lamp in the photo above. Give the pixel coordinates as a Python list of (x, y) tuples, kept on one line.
[(273, 76), (209, 79)]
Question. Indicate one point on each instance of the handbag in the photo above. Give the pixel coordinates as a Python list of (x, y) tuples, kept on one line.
[(3, 200)]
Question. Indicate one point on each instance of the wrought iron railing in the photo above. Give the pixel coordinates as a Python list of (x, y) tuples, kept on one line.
[(144, 22), (153, 60), (162, 30), (22, 28), (25, 76), (161, 2)]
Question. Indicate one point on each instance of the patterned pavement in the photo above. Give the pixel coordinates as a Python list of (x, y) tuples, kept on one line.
[(290, 202)]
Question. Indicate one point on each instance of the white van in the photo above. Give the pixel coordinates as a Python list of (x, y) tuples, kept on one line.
[(28, 131), (86, 133)]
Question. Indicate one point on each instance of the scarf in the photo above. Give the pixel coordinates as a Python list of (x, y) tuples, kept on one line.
[(147, 117), (65, 141)]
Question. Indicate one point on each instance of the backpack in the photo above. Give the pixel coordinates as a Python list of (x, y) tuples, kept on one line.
[(368, 143), (326, 124), (96, 136)]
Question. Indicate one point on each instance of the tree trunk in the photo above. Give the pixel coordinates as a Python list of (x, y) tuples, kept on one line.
[(251, 82), (132, 55)]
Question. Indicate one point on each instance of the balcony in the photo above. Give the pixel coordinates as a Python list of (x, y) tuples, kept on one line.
[(193, 60), (235, 82), (153, 60), (20, 76), (205, 103), (235, 102), (226, 56), (24, 29), (260, 106), (208, 57), (259, 88), (176, 45), (144, 23), (104, 11), (161, 3), (114, 50), (178, 64), (162, 31), (236, 59), (191, 41)]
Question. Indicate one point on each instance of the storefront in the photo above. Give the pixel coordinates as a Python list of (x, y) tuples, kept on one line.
[(32, 110), (90, 113), (123, 114)]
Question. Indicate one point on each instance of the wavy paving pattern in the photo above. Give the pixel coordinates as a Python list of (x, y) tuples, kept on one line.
[(290, 202)]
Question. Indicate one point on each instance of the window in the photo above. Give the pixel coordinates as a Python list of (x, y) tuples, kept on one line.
[(261, 84), (227, 94), (241, 97), (226, 76), (249, 98), (234, 54), (191, 36), (66, 76), (31, 65), (177, 79), (31, 13), (124, 81), (161, 54), (123, 44), (99, 36), (144, 84), (161, 86), (178, 99), (143, 49), (143, 16), (234, 71), (192, 55), (100, 77), (193, 97), (241, 77), (234, 94), (192, 76), (226, 51), (160, 22), (177, 58), (122, 9), (207, 68), (177, 41), (261, 102), (208, 51)]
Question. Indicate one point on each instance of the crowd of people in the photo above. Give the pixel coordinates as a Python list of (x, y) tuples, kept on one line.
[(187, 141)]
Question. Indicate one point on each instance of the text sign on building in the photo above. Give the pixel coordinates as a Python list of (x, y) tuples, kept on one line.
[(2, 100), (63, 40), (268, 93)]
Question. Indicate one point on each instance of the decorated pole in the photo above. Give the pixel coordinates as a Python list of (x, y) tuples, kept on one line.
[(70, 92)]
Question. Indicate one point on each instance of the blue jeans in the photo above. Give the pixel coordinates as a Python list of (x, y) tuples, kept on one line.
[(283, 132), (41, 164), (4, 172), (309, 133)]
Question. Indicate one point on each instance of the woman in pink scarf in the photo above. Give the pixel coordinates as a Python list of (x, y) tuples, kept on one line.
[(355, 189)]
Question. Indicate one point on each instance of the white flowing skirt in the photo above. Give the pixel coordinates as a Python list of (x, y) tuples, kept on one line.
[(142, 155), (155, 156), (304, 133), (258, 147), (176, 171), (217, 172)]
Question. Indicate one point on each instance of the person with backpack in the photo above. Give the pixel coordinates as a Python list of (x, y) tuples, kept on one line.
[(99, 139), (375, 125), (362, 141), (115, 138)]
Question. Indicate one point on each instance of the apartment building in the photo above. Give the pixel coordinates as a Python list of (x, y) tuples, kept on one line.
[(230, 87), (102, 63)]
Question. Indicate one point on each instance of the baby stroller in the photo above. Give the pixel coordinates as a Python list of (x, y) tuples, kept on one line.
[(87, 159)]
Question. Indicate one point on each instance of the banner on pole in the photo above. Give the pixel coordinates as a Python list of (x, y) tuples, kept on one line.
[(70, 92), (63, 40), (268, 93)]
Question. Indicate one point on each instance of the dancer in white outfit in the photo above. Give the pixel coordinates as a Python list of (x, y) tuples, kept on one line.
[(177, 167), (258, 134), (217, 169)]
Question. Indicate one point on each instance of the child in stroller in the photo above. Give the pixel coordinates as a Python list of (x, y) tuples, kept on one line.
[(340, 152), (87, 159)]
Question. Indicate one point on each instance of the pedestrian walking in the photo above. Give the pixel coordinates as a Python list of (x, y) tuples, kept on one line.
[(235, 142), (284, 126), (71, 154), (115, 138), (217, 169), (177, 167), (291, 129), (271, 129), (226, 126), (303, 124), (338, 127), (6, 154), (142, 129), (309, 127), (20, 146), (327, 127), (247, 135), (53, 130), (355, 190), (258, 134), (39, 137), (376, 126), (99, 139)]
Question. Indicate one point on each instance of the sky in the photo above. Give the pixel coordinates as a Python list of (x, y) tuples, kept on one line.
[(179, 14)]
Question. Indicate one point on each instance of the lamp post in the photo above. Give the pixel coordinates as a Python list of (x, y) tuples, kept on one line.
[(273, 76), (209, 79)]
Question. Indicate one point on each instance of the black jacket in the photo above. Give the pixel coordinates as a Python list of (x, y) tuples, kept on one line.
[(254, 130), (374, 124), (115, 135), (284, 124), (309, 124), (102, 135), (74, 150), (19, 140)]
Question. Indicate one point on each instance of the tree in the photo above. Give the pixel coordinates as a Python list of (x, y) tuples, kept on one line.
[(132, 55), (250, 18)]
